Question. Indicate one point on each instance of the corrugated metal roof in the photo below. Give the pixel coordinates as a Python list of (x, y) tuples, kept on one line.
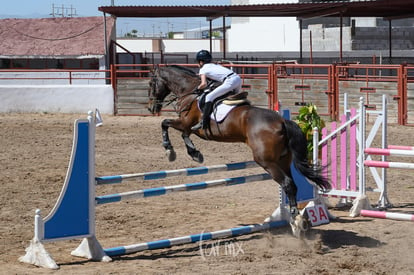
[(54, 37), (367, 8)]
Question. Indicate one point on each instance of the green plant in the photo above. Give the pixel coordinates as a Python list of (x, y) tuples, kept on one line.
[(216, 34), (308, 119)]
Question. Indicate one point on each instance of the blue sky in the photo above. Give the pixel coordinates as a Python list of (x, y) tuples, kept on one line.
[(43, 8), (88, 7)]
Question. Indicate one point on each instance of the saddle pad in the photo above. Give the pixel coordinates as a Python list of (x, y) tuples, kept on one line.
[(220, 113)]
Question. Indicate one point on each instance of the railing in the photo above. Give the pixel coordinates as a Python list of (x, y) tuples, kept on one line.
[(303, 84), (291, 84), (247, 73), (367, 72), (53, 77), (372, 81)]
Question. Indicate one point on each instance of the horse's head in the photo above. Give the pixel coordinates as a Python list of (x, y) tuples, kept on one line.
[(174, 79), (158, 91)]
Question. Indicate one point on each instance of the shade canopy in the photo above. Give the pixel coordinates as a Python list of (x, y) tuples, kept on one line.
[(390, 9)]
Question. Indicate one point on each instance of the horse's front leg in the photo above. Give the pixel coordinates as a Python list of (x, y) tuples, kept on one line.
[(166, 143), (191, 150)]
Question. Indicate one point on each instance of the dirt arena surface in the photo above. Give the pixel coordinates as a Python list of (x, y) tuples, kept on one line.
[(35, 151)]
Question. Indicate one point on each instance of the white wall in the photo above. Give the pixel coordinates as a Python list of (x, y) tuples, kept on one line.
[(262, 34), (134, 45), (56, 98), (192, 45), (365, 21), (327, 39), (168, 45)]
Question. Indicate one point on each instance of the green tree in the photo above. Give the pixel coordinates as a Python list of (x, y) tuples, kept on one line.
[(132, 34), (216, 34)]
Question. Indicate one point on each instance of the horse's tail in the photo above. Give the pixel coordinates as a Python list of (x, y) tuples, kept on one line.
[(298, 146)]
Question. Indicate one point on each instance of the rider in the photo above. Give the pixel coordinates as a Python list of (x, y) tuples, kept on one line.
[(230, 81)]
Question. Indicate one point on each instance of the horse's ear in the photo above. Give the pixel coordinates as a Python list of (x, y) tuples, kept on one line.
[(154, 69)]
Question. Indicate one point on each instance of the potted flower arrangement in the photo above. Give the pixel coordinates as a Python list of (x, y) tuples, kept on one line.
[(307, 119)]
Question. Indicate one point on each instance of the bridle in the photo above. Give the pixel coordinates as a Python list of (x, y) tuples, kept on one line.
[(173, 98), (151, 92)]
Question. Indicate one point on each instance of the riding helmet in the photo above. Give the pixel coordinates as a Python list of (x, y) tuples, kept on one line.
[(204, 56)]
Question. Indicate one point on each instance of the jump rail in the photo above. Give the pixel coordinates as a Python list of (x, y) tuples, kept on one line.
[(342, 150), (395, 150), (387, 215), (232, 232), (159, 191), (400, 147), (388, 164), (73, 215), (389, 152), (178, 172)]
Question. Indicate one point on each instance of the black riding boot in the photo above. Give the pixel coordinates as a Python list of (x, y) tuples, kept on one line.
[(205, 119)]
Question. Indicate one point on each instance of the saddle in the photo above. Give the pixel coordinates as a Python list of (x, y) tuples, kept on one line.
[(236, 99), (224, 104), (231, 98)]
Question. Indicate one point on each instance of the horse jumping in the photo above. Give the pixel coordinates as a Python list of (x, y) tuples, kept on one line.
[(74, 214), (275, 142)]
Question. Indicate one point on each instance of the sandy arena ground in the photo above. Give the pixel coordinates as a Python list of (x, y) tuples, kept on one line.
[(35, 151)]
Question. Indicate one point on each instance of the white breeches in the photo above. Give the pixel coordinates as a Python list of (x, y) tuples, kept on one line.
[(231, 83)]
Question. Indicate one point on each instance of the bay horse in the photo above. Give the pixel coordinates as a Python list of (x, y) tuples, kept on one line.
[(275, 142)]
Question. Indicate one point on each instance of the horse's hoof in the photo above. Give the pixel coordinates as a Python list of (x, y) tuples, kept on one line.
[(171, 155), (299, 226), (294, 212), (296, 232), (198, 157), (303, 225)]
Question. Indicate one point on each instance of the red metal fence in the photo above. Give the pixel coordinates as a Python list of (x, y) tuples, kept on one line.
[(294, 85), (291, 85)]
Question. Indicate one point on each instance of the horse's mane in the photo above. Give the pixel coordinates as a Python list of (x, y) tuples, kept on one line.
[(182, 69)]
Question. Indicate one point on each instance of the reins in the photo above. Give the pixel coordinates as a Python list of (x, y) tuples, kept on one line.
[(186, 107)]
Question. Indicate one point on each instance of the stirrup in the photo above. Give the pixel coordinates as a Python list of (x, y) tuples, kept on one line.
[(198, 126)]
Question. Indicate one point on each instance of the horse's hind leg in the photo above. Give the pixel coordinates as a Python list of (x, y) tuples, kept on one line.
[(298, 224), (284, 178), (289, 187), (290, 190), (191, 150)]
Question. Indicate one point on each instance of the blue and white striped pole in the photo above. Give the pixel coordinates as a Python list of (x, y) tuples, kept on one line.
[(159, 191), (165, 243), (179, 172)]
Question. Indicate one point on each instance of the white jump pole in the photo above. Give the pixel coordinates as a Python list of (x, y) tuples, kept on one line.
[(387, 215)]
